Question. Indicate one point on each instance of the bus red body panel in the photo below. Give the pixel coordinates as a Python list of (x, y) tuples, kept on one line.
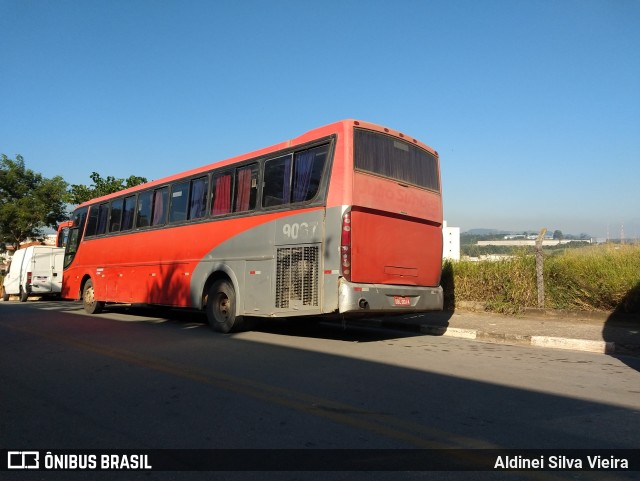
[(397, 233), (394, 250)]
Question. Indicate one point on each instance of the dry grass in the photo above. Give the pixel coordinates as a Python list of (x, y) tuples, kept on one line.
[(602, 278), (595, 278)]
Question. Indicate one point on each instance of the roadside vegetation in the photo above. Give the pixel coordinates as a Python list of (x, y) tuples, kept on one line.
[(602, 277), (31, 204)]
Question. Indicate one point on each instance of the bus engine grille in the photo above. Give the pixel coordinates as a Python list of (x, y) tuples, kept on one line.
[(297, 277)]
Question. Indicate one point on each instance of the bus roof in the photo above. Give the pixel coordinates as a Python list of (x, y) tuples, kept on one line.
[(310, 135)]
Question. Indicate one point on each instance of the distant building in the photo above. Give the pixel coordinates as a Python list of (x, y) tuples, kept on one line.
[(526, 236), (450, 242), (530, 242)]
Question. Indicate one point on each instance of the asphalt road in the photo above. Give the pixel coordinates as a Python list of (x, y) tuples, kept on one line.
[(135, 378)]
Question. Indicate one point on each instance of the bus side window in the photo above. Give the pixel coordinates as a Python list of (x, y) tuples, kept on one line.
[(179, 201), (160, 198), (116, 215), (143, 218), (92, 221), (127, 212), (198, 200), (307, 173), (221, 193), (103, 216), (277, 182), (246, 188)]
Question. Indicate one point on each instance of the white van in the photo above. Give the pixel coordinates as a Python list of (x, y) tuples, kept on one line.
[(34, 271)]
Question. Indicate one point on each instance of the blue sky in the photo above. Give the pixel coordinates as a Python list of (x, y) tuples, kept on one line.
[(534, 106)]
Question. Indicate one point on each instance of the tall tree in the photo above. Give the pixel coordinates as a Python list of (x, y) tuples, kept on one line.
[(29, 202), (79, 193)]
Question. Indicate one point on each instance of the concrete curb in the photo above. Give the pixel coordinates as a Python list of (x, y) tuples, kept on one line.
[(600, 347)]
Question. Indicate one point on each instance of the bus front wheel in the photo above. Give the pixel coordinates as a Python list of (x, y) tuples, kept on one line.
[(221, 307), (91, 306)]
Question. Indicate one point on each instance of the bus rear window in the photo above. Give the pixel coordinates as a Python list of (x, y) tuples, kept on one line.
[(388, 156)]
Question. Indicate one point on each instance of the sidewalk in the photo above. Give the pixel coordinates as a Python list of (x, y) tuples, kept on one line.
[(561, 330)]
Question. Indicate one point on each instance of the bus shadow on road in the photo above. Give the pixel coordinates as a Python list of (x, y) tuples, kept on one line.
[(357, 329), (362, 329), (335, 330)]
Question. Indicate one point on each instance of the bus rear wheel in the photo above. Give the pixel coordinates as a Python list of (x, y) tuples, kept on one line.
[(221, 307), (91, 306)]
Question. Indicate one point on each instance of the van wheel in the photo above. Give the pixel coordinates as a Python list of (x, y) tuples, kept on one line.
[(91, 306), (23, 295), (5, 296), (221, 308)]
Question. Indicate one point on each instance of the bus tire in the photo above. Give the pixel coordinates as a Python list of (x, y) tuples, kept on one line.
[(24, 295), (221, 307), (91, 306)]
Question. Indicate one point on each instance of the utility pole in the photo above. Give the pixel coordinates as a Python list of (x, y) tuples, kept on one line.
[(540, 267)]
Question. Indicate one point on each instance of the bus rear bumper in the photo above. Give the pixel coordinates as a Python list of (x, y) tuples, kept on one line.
[(388, 298)]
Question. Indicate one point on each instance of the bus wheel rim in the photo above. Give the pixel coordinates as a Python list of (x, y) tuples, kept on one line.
[(88, 296)]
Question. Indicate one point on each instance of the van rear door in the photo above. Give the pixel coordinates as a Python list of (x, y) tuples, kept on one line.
[(41, 268), (58, 263), (46, 270)]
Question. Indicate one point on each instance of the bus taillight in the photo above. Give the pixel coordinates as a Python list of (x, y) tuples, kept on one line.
[(345, 246)]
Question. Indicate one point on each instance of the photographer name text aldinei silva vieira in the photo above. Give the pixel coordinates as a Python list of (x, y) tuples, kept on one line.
[(562, 462)]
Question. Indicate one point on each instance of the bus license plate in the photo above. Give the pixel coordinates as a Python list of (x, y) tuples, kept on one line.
[(401, 301)]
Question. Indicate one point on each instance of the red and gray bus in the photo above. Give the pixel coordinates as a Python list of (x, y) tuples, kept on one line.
[(344, 219)]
